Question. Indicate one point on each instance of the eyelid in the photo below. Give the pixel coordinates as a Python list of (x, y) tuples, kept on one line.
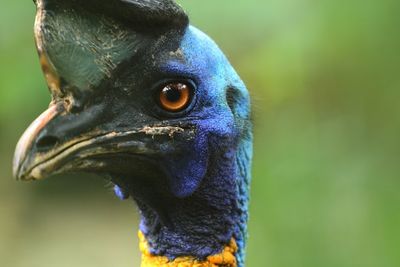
[(177, 79)]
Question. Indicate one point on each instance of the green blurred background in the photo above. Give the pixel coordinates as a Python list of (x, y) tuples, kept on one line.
[(325, 81)]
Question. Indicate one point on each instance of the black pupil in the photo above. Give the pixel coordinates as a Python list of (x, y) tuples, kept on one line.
[(172, 93)]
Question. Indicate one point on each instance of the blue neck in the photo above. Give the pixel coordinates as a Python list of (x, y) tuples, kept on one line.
[(202, 224)]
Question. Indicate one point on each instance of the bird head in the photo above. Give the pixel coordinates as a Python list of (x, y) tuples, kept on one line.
[(141, 97)]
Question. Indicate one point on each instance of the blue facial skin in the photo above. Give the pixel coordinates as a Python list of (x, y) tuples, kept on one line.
[(210, 181)]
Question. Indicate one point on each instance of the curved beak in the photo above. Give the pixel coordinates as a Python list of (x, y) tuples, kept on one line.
[(58, 142), (26, 143)]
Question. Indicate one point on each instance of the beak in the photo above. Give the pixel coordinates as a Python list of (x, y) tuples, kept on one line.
[(28, 141), (58, 142)]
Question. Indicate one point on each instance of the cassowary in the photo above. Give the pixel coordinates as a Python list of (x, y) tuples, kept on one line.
[(141, 97)]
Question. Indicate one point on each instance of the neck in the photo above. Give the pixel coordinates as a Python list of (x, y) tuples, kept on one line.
[(207, 227)]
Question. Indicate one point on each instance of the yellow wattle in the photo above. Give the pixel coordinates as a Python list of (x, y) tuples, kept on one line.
[(226, 258)]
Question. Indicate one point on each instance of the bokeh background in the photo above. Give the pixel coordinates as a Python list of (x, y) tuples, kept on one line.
[(325, 80)]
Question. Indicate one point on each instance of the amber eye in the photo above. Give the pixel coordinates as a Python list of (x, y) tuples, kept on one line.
[(175, 96)]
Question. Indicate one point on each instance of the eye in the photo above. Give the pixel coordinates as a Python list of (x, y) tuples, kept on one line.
[(175, 96)]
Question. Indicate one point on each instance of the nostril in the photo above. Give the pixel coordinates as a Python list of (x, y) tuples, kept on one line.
[(46, 142)]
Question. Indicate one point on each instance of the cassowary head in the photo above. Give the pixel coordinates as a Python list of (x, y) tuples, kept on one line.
[(151, 103)]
